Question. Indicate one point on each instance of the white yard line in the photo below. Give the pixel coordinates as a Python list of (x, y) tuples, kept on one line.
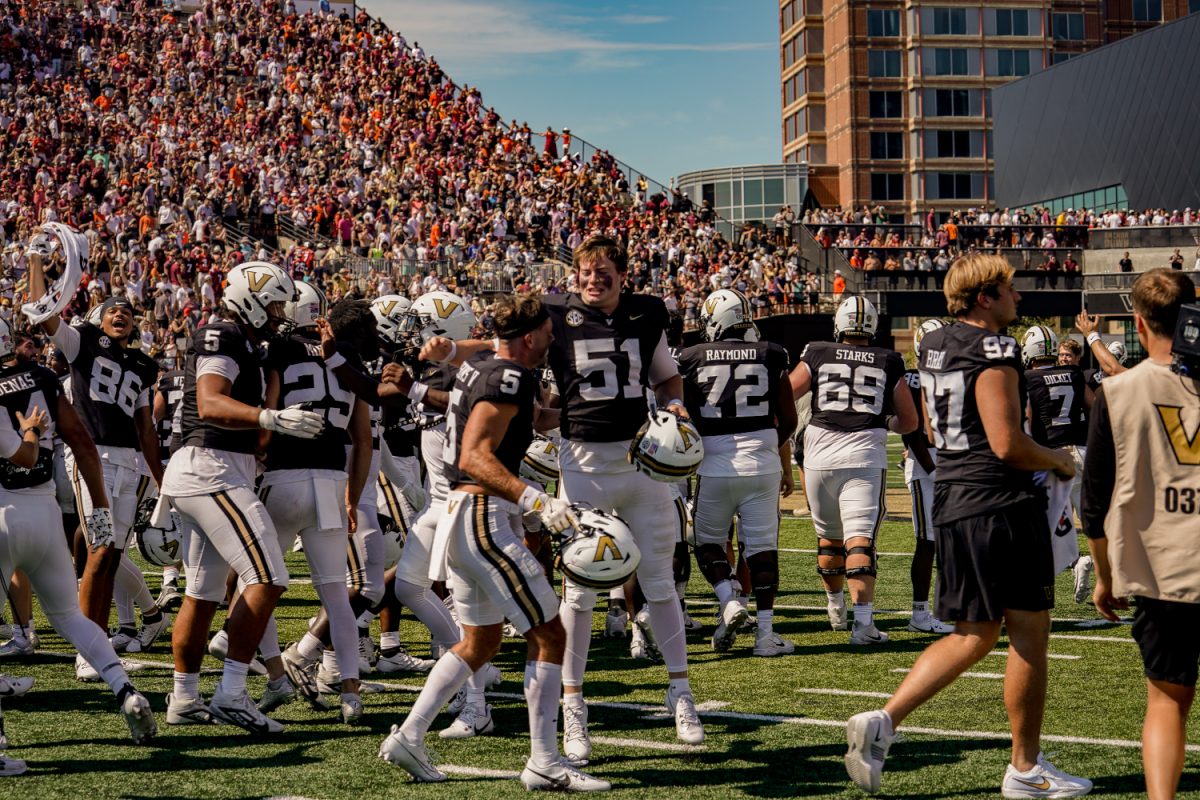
[(1004, 654), (476, 772), (1093, 638), (989, 676)]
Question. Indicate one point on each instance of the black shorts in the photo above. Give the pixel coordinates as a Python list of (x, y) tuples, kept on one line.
[(995, 561), (1167, 655)]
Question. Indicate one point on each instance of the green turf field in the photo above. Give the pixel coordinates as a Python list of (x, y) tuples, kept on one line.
[(774, 725)]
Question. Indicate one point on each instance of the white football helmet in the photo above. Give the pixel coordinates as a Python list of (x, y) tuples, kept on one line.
[(389, 311), (1039, 342), (856, 316), (667, 448), (1118, 351), (540, 463), (727, 311), (438, 314), (6, 340), (925, 327), (252, 286), (602, 554), (309, 304), (162, 546)]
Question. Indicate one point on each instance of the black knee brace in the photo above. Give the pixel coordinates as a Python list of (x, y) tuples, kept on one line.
[(713, 564), (682, 563), (833, 552), (764, 570), (867, 571)]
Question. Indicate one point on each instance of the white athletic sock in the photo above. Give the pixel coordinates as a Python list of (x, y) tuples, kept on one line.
[(389, 639), (445, 679), (170, 575), (681, 590), (343, 631), (836, 598), (920, 608), (93, 645), (678, 686), (310, 647), (579, 637), (233, 679), (277, 683), (616, 593), (725, 592), (765, 619), (475, 690), (864, 615), (187, 686), (26, 631), (268, 645), (364, 619), (574, 700), (543, 682), (744, 599), (329, 662), (666, 620)]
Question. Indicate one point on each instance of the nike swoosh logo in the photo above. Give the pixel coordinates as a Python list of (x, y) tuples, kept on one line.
[(1043, 784), (562, 781), (632, 317)]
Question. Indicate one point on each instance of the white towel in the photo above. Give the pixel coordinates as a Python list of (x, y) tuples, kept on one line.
[(1063, 540)]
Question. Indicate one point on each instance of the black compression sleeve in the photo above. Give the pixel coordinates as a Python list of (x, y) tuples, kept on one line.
[(1099, 469)]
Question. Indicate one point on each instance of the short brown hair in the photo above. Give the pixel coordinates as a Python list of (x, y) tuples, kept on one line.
[(1157, 296), (970, 275), (517, 314), (596, 247), (1073, 345)]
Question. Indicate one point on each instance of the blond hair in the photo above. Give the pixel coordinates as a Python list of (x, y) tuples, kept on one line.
[(597, 247), (970, 275)]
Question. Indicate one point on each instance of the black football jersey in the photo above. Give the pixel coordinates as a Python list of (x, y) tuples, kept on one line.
[(1056, 398), (732, 387), (306, 382), (601, 364), (1092, 378), (107, 383), (23, 388), (970, 479), (852, 384), (222, 338), (170, 386), (498, 380), (435, 376)]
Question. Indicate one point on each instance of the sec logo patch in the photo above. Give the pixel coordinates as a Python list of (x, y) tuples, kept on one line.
[(574, 318), (105, 342)]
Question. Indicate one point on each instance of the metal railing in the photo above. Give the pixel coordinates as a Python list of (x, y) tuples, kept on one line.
[(1152, 236), (1023, 280), (1065, 236)]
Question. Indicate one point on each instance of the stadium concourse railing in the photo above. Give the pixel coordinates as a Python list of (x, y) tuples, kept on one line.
[(1065, 236), (1148, 236)]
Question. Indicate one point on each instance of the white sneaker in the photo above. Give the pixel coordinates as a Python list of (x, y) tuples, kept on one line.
[(839, 617), (121, 639), (302, 675), (328, 681), (17, 647), (139, 717), (239, 710), (169, 599), (367, 657), (491, 676), (729, 619), (218, 648), (14, 687), (616, 621), (688, 727), (927, 623), (577, 744), (459, 702), (1081, 570), (691, 625), (471, 722), (639, 648), (868, 634), (11, 767), (1044, 780), (148, 634), (773, 645), (185, 711), (352, 709), (565, 778), (413, 758), (273, 697), (401, 661), (509, 631), (869, 735), (86, 673), (641, 621)]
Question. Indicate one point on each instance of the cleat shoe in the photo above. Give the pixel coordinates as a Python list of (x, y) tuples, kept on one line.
[(398, 660), (577, 744), (11, 767), (839, 618), (868, 634), (413, 758), (691, 625), (17, 647), (773, 645), (616, 621), (1083, 566), (148, 634), (688, 727), (352, 709), (84, 671), (639, 648), (471, 722), (510, 631), (641, 621), (239, 710), (34, 640), (169, 599), (1044, 780), (14, 687), (185, 711), (750, 625), (491, 676), (218, 648), (329, 681), (302, 676), (367, 657), (121, 639), (459, 702), (140, 718), (929, 624), (869, 735), (275, 696), (564, 778), (729, 619)]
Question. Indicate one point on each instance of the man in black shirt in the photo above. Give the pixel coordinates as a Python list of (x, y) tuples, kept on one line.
[(996, 565), (1126, 263)]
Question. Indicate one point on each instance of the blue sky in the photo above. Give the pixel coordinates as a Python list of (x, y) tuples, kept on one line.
[(667, 86)]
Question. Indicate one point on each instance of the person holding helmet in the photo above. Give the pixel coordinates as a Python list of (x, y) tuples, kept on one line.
[(488, 430), (858, 396), (919, 465), (210, 481), (736, 389)]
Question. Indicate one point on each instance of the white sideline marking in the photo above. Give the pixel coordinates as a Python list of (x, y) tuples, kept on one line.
[(1093, 638), (713, 705), (645, 744), (303, 581), (843, 692), (142, 662), (1004, 654), (477, 772), (990, 676)]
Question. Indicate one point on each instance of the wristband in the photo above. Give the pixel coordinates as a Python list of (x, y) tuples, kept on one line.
[(453, 352), (1092, 338), (417, 392), (335, 360)]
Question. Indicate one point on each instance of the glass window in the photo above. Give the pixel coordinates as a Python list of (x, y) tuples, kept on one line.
[(955, 185), (773, 192), (816, 118), (787, 15), (814, 40), (950, 144), (949, 61), (1012, 22), (1058, 58), (885, 105), (883, 22), (887, 145), (887, 186), (949, 21), (816, 79), (1068, 27), (752, 187), (1012, 63), (737, 193), (707, 192), (1147, 10), (816, 154), (952, 102), (812, 7), (883, 63), (1193, 6)]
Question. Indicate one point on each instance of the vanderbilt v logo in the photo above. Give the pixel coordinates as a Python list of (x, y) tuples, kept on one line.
[(607, 545), (257, 280), (709, 305), (387, 307), (444, 309), (1185, 445), (685, 434)]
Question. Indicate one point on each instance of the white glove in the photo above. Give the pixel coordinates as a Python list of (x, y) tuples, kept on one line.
[(100, 528), (414, 495), (292, 422), (554, 513)]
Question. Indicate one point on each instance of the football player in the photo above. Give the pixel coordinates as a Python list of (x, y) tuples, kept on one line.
[(489, 426), (32, 408), (858, 396), (1110, 359), (738, 393), (110, 389), (919, 465), (168, 405), (210, 482), (995, 563)]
